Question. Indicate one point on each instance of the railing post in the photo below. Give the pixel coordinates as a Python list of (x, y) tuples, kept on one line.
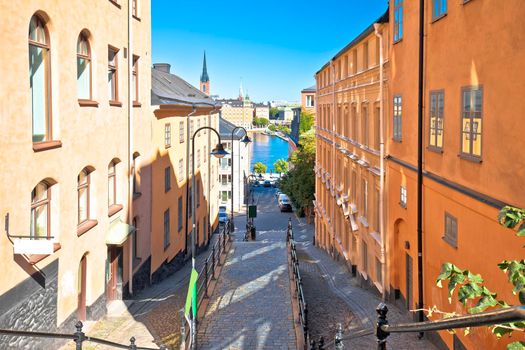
[(206, 278), (305, 328), (80, 336), (132, 345), (339, 338), (213, 263), (321, 343), (381, 335)]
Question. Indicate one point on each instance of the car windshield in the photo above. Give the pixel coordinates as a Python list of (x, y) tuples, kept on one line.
[(223, 214)]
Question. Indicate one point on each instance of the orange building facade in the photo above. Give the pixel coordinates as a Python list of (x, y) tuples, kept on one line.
[(351, 102), (472, 139)]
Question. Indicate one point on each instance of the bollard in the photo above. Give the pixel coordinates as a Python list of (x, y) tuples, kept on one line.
[(80, 336), (132, 345), (339, 337), (381, 335)]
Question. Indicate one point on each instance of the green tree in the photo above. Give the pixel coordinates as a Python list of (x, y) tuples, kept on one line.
[(259, 168), (274, 111), (263, 122), (284, 129), (272, 127), (471, 287), (280, 166), (299, 183), (306, 122)]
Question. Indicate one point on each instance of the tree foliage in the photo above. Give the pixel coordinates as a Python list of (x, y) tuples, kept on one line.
[(262, 122), (299, 183), (471, 287), (259, 168), (284, 129), (280, 166), (272, 127), (274, 111), (306, 122)]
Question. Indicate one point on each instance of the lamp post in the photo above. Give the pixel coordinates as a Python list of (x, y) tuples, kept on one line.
[(218, 152), (244, 140)]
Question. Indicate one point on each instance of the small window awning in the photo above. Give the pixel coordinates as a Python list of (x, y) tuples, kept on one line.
[(118, 232)]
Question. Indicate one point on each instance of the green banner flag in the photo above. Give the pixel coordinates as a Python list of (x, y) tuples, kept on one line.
[(191, 297)]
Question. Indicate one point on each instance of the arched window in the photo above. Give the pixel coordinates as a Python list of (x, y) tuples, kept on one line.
[(83, 196), (40, 210), (40, 79), (112, 183), (83, 68)]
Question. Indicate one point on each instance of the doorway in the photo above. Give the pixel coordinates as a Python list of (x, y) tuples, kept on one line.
[(114, 268), (81, 304), (409, 271)]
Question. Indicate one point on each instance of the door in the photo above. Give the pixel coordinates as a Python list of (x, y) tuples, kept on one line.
[(113, 273), (81, 305), (409, 271)]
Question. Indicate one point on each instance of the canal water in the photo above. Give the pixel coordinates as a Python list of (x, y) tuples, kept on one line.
[(267, 149)]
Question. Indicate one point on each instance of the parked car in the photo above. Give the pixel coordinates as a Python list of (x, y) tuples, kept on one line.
[(267, 183), (223, 217), (277, 193), (284, 203)]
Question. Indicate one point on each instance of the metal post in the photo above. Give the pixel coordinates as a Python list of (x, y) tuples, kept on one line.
[(206, 278), (305, 328), (80, 336), (132, 345), (339, 338), (321, 343), (381, 335), (213, 263), (193, 320)]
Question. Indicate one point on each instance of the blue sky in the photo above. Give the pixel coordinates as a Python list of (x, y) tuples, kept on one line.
[(274, 46)]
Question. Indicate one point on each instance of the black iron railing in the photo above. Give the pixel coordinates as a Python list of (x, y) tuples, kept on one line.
[(78, 337), (207, 274), (298, 292)]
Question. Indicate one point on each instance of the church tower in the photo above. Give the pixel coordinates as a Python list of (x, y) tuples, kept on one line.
[(205, 79)]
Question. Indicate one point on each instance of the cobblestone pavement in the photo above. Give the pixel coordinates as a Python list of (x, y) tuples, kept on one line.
[(251, 305), (362, 303), (152, 317)]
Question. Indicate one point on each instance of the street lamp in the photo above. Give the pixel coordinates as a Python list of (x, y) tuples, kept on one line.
[(218, 152), (246, 140)]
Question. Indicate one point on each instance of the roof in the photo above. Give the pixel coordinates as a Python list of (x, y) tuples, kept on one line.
[(312, 88), (226, 128), (357, 39), (167, 89)]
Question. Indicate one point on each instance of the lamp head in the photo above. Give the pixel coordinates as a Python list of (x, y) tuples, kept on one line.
[(246, 140), (219, 151)]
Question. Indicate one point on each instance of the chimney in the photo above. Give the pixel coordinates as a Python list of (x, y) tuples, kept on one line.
[(163, 67)]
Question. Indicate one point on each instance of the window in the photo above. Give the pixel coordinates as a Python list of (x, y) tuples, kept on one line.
[(364, 130), (181, 132), (472, 101), (83, 68), (377, 216), (166, 228), (83, 188), (134, 8), (198, 125), (136, 174), (354, 185), (354, 61), (167, 135), (205, 153), (397, 118), (198, 194), (403, 196), (451, 230), (167, 179), (398, 20), (378, 51), (364, 198), (135, 80), (40, 210), (113, 74), (309, 100), (377, 127), (192, 129), (379, 272), (365, 257), (365, 56), (180, 216), (40, 79), (198, 158), (437, 104), (354, 122), (112, 184), (439, 8), (135, 239), (181, 169), (190, 201)]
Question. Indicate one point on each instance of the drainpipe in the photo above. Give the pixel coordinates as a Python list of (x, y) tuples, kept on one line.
[(420, 163), (333, 112), (188, 138), (131, 168), (379, 35)]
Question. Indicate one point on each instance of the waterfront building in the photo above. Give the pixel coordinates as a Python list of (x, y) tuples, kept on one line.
[(308, 97), (180, 110), (75, 94), (262, 110), (284, 116), (472, 137), (239, 111), (351, 100), (241, 166)]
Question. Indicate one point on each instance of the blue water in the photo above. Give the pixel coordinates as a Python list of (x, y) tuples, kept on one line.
[(267, 149)]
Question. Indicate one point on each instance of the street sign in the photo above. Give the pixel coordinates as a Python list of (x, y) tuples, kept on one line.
[(252, 211)]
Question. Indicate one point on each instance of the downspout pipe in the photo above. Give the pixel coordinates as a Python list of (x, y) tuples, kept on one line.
[(131, 167), (333, 113), (188, 136), (379, 35), (420, 163)]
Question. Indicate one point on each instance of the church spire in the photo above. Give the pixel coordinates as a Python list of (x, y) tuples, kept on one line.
[(205, 79), (241, 92)]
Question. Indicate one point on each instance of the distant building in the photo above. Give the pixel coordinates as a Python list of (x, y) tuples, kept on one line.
[(308, 97), (294, 136), (284, 116), (239, 111), (241, 166), (262, 110)]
